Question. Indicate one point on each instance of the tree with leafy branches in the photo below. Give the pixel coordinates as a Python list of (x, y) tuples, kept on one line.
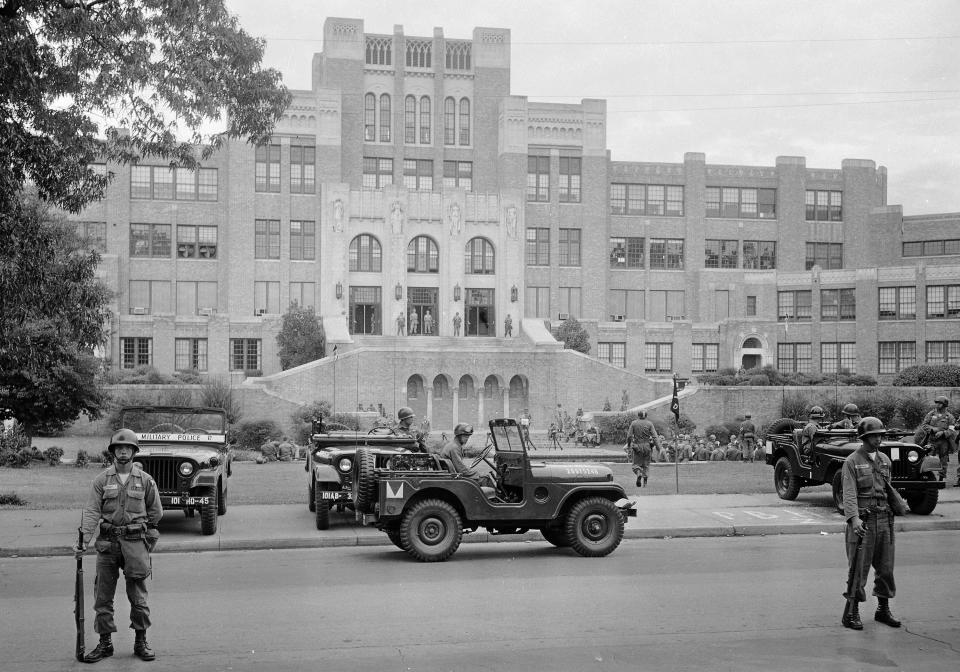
[(301, 337), (574, 336)]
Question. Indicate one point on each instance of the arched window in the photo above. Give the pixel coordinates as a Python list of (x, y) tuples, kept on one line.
[(752, 342), (423, 255), (466, 387), (424, 120), (441, 388), (385, 120), (414, 387), (518, 390), (410, 120), (365, 253), (449, 121), (491, 387), (464, 121), (479, 257), (369, 118)]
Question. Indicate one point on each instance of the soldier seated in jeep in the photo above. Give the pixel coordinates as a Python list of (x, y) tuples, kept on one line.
[(456, 449)]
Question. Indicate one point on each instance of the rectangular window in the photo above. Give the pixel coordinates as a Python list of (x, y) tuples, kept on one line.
[(824, 206), (627, 252), (538, 246), (537, 302), (931, 248), (794, 357), (190, 354), (207, 184), (186, 184), (196, 298), (625, 304), (824, 255), (760, 254), (838, 304), (894, 356), (196, 242), (943, 301), (162, 182), (794, 305), (666, 254), (570, 301), (377, 173), (303, 294), (898, 303), (148, 297), (141, 182), (838, 358), (613, 353), (303, 168), (658, 357), (418, 174), (245, 354), (666, 305), (150, 240), (570, 168), (538, 178), (458, 175), (569, 247), (266, 298), (425, 120), (751, 306), (136, 352), (267, 167), (720, 254), (303, 237), (646, 199), (943, 352), (705, 357), (267, 239), (741, 203), (93, 235)]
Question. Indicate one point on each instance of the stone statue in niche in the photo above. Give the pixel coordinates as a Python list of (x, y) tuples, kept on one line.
[(512, 222), (338, 215), (396, 217), (455, 216)]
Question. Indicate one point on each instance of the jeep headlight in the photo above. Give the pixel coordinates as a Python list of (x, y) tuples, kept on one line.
[(214, 461), (913, 456), (186, 468), (344, 464)]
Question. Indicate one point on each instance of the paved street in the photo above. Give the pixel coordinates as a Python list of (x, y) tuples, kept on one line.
[(757, 603)]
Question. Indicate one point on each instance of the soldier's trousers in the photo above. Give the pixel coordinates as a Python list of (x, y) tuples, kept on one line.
[(749, 445), (110, 560), (878, 552)]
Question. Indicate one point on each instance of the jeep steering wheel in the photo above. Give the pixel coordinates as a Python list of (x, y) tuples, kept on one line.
[(387, 431), (166, 427), (482, 457)]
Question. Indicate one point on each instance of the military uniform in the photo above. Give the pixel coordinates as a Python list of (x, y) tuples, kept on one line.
[(942, 436), (126, 515), (848, 422), (641, 438), (748, 439), (456, 453)]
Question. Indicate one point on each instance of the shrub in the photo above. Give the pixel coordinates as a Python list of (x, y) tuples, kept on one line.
[(82, 459), (758, 379), (217, 392), (929, 375), (251, 434), (52, 455), (614, 428), (911, 410), (857, 379), (11, 499), (237, 455), (177, 396), (722, 431), (794, 405), (188, 377)]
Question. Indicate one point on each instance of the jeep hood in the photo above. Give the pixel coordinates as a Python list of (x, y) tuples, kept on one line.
[(571, 472)]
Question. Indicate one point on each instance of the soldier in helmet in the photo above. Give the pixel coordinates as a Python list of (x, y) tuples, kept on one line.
[(812, 427), (851, 418), (641, 438), (939, 428), (748, 438), (866, 478), (405, 420), (456, 450), (124, 506)]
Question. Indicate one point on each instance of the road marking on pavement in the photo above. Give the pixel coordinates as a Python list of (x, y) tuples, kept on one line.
[(788, 515)]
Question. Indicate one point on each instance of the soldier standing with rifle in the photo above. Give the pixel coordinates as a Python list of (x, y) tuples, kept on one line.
[(869, 534), (125, 506), (939, 426)]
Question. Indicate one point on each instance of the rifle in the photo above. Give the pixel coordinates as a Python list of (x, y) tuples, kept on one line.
[(78, 599), (853, 576)]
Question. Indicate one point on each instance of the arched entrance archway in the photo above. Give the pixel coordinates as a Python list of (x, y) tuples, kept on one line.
[(519, 395), (467, 403), (492, 398), (417, 396), (751, 354)]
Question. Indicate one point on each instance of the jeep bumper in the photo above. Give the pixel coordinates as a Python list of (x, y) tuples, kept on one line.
[(626, 507)]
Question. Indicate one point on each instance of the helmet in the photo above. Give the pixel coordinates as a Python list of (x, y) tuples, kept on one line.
[(463, 428), (404, 413), (642, 414), (124, 437), (940, 399), (851, 409), (869, 425), (746, 416), (816, 412)]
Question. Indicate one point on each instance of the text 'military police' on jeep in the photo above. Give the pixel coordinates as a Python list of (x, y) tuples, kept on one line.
[(913, 473), (185, 450), (425, 506)]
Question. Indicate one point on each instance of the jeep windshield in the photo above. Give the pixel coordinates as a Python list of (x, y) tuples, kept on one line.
[(173, 420), (506, 436)]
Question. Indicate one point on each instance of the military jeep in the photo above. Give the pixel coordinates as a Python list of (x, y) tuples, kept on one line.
[(185, 450), (914, 471), (330, 463), (424, 506)]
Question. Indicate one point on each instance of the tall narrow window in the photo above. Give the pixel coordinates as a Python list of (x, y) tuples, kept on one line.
[(302, 167), (570, 167), (410, 120), (569, 247), (538, 246), (385, 117), (449, 121), (303, 236), (538, 178), (464, 121), (425, 120), (267, 167), (266, 239), (369, 118)]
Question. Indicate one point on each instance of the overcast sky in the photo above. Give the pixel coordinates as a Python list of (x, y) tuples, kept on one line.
[(743, 81)]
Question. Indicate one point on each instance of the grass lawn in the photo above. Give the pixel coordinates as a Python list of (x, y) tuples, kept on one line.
[(66, 487)]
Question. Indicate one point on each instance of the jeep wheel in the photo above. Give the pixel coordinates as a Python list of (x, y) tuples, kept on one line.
[(221, 500), (208, 511), (311, 504), (923, 502), (594, 527), (364, 483), (555, 535), (787, 485), (431, 530), (837, 485), (322, 509), (393, 533)]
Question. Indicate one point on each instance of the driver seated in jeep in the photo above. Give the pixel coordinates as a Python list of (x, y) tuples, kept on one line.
[(456, 450)]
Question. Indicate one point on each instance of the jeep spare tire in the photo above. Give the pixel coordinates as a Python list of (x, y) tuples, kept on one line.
[(784, 426), (594, 527), (364, 481)]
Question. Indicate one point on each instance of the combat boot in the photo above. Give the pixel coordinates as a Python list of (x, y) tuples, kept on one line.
[(103, 650), (883, 614), (644, 481), (852, 620), (639, 482), (141, 649)]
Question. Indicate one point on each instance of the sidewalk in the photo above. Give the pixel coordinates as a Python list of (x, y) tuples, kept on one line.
[(42, 532)]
